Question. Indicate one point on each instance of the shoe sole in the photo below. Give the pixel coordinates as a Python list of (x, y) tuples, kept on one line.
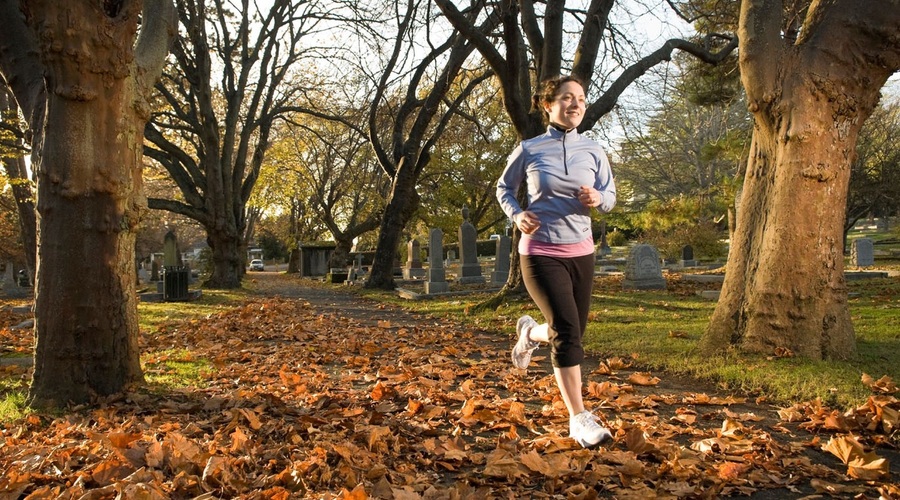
[(603, 440)]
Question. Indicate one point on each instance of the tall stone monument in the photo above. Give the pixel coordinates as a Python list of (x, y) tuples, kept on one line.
[(437, 278), (170, 249), (470, 270), (501, 263)]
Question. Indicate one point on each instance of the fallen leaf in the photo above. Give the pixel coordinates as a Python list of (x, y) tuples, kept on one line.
[(643, 379), (729, 471), (636, 441), (860, 464)]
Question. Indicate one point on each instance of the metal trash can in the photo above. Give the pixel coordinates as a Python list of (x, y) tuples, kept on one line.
[(175, 283)]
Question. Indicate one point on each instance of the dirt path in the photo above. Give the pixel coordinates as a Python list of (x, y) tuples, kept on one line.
[(767, 457)]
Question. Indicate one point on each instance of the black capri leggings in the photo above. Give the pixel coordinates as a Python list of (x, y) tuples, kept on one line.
[(561, 288)]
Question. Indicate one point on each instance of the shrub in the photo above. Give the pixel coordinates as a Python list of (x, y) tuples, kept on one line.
[(704, 238), (616, 238)]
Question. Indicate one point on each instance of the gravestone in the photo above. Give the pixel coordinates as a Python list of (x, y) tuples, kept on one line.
[(862, 252), (9, 279), (437, 279), (501, 263), (604, 245), (170, 250), (643, 270), (687, 257), (470, 271), (413, 268)]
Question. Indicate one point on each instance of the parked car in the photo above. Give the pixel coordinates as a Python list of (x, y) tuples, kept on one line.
[(257, 265)]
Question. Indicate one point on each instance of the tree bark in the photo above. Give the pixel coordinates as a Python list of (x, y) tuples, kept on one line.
[(89, 196), (784, 283), (229, 259)]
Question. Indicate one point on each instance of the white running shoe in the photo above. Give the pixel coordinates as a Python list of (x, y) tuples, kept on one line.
[(521, 352), (585, 429)]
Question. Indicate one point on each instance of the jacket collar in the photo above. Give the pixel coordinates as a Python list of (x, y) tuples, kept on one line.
[(557, 133)]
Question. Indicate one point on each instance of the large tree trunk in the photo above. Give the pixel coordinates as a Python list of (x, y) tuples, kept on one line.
[(784, 281), (229, 259), (403, 203), (88, 182), (88, 205)]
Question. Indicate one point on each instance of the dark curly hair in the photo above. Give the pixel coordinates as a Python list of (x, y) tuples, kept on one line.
[(547, 90)]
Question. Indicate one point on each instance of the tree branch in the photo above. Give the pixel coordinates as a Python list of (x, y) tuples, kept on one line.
[(158, 29), (20, 63), (761, 50), (606, 103), (589, 41), (177, 207)]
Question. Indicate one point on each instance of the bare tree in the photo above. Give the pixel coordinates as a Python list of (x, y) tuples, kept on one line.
[(90, 67), (345, 186), (235, 75), (875, 174), (535, 37), (810, 89), (415, 92)]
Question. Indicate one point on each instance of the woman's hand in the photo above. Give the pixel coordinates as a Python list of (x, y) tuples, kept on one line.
[(589, 196), (527, 222)]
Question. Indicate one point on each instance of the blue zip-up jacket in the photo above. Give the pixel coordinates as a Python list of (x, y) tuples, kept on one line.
[(555, 165)]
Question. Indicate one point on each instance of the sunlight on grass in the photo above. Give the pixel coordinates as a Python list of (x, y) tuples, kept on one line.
[(13, 392), (175, 369), (152, 315), (12, 406)]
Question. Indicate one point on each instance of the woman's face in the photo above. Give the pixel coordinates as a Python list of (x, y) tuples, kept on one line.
[(567, 108)]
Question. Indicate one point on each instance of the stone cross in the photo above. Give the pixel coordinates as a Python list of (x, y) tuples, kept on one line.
[(437, 279), (643, 270), (501, 263), (470, 271)]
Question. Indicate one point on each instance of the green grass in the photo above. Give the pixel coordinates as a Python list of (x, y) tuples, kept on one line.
[(12, 399), (152, 315), (177, 369), (174, 369)]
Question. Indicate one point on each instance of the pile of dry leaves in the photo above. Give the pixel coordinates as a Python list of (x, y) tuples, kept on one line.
[(305, 405)]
